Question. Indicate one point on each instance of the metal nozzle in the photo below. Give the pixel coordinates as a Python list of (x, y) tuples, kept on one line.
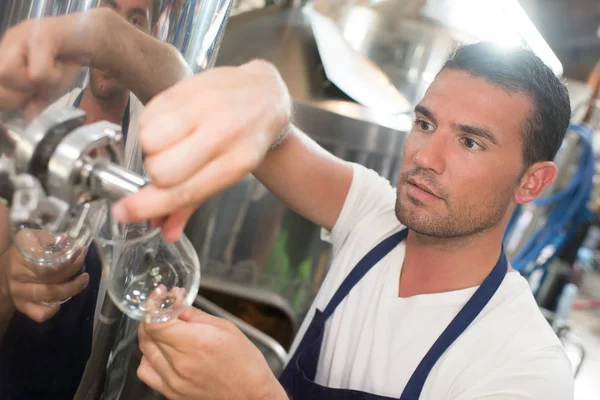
[(111, 181)]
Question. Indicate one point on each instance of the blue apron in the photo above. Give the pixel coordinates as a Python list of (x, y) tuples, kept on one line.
[(46, 360), (298, 378)]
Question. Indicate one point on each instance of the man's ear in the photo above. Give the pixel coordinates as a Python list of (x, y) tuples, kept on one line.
[(537, 178)]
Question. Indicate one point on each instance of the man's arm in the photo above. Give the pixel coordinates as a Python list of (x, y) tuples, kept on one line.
[(7, 307), (102, 39), (39, 58), (143, 63), (205, 134), (307, 178)]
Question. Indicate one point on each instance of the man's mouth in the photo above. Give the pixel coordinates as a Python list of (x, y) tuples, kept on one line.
[(422, 186)]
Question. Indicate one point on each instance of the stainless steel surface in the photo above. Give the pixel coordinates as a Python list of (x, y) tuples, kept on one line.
[(282, 37), (200, 30), (57, 163), (53, 121), (274, 353), (410, 40), (112, 182), (504, 22), (292, 3), (67, 174), (409, 50), (15, 11), (259, 295), (361, 79)]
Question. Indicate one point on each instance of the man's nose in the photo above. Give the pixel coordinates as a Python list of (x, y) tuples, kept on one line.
[(431, 155)]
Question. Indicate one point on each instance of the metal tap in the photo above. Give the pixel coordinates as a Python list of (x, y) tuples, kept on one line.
[(55, 163)]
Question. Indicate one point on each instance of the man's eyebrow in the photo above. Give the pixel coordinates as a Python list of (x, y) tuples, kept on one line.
[(421, 109), (112, 3), (477, 131), (138, 10)]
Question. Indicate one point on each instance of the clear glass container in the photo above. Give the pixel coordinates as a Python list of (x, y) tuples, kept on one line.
[(48, 253), (148, 278), (46, 249)]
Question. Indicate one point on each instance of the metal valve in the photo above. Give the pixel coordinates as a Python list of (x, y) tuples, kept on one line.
[(55, 164)]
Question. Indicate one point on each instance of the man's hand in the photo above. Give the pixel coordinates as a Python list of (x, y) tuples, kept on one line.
[(40, 58), (204, 135), (201, 357), (37, 290)]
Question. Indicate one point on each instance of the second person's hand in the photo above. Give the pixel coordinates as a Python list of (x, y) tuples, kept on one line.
[(36, 290), (204, 135)]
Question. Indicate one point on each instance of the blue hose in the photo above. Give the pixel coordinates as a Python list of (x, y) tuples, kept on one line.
[(568, 208)]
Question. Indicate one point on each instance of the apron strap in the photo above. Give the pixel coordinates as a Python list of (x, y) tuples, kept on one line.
[(459, 324), (363, 266)]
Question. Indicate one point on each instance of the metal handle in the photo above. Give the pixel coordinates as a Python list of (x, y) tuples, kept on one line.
[(111, 181)]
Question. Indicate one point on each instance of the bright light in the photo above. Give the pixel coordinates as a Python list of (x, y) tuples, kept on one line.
[(501, 21)]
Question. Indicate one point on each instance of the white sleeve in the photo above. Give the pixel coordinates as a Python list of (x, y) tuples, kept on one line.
[(546, 375), (370, 195)]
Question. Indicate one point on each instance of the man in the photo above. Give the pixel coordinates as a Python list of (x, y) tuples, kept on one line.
[(431, 312), (44, 344), (420, 301)]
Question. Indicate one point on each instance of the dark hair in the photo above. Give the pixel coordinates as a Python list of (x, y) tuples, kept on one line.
[(520, 70)]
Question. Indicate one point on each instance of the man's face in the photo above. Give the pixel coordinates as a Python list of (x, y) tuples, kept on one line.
[(462, 161), (138, 13)]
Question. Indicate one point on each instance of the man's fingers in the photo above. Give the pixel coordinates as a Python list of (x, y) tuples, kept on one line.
[(13, 64), (152, 352), (158, 359), (169, 116), (49, 293), (184, 158), (174, 225), (150, 377), (152, 202), (160, 130), (195, 315), (169, 331), (37, 311)]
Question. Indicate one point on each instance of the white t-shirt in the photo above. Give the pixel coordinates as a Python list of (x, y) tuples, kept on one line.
[(374, 340)]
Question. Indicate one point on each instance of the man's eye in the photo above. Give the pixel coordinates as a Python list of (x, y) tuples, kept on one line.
[(471, 144), (424, 125)]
